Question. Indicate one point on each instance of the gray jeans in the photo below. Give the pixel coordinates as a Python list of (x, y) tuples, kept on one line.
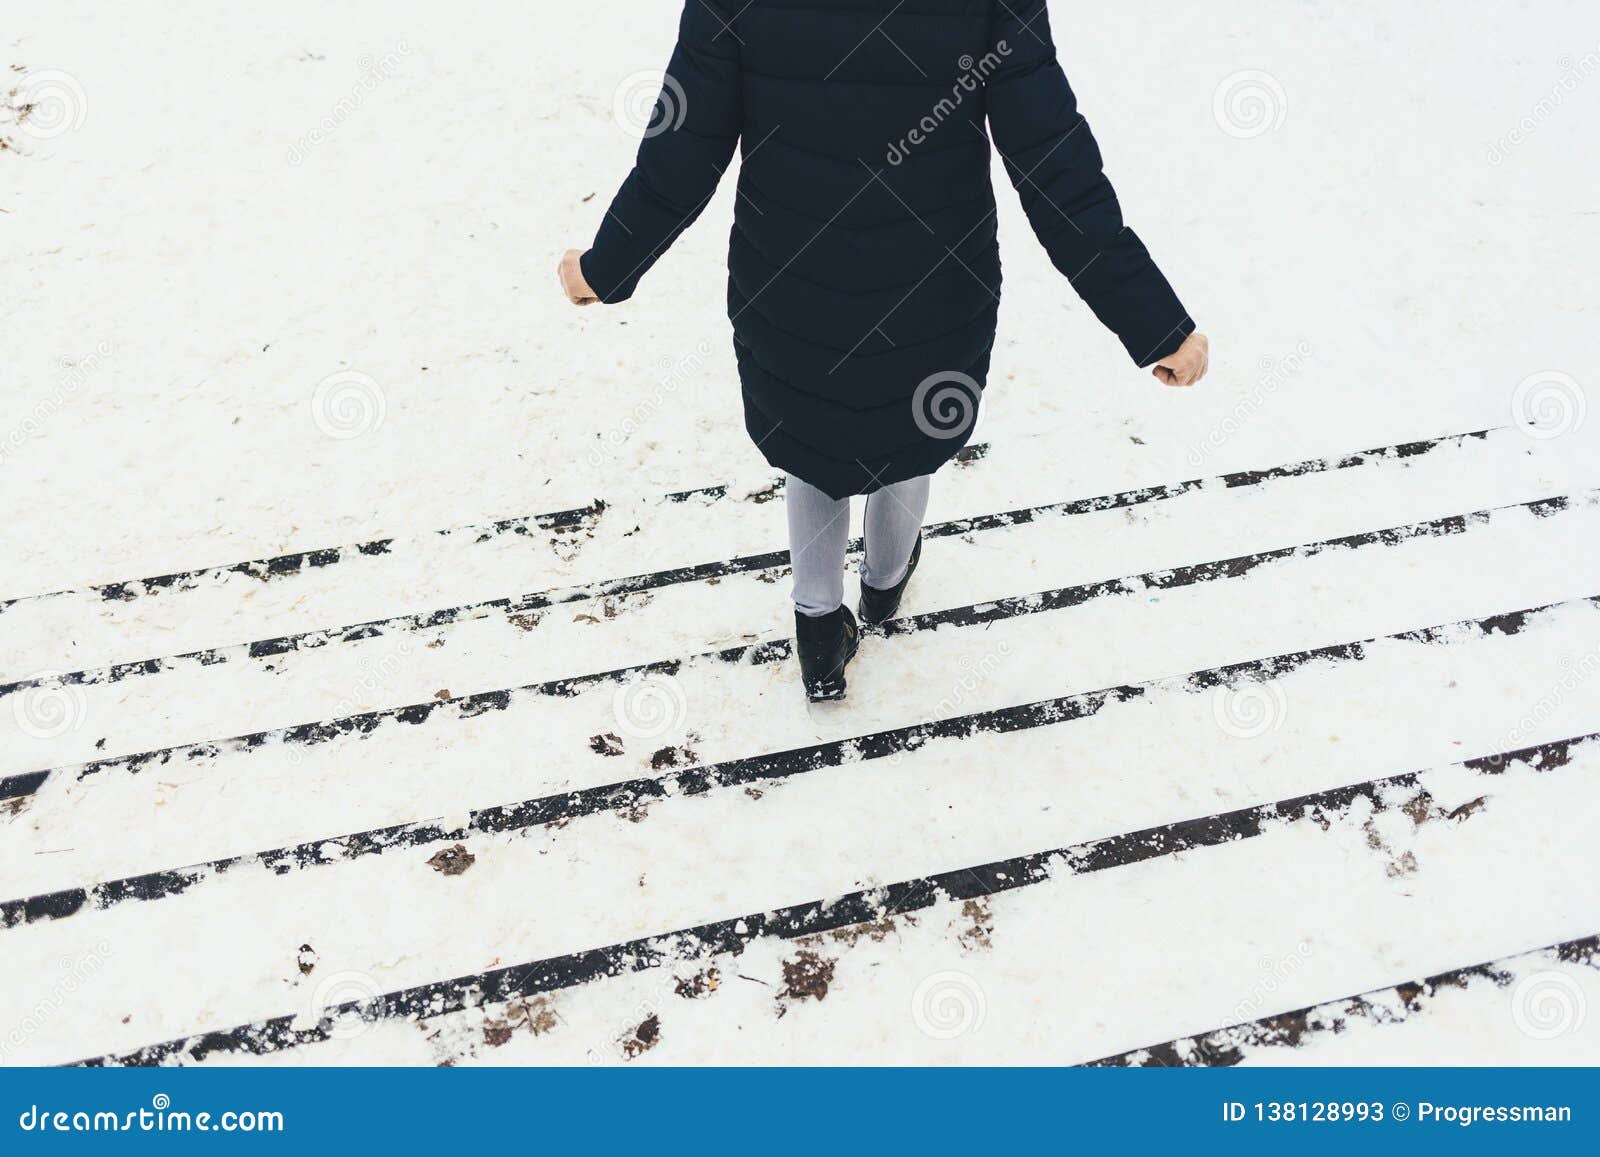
[(819, 533)]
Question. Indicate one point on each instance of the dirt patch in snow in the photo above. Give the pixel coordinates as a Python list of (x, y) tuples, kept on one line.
[(608, 744), (1468, 809), (976, 925), (669, 757), (635, 813), (873, 930), (806, 977), (699, 985), (1397, 863), (614, 605), (643, 1038), (452, 861), (531, 1015)]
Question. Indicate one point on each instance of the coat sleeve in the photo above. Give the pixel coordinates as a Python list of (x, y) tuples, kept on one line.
[(690, 140), (1053, 160)]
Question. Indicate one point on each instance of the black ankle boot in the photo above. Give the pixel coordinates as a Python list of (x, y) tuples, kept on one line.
[(876, 605), (825, 644)]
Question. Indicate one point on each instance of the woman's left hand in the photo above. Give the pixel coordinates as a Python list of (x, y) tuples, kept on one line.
[(570, 271)]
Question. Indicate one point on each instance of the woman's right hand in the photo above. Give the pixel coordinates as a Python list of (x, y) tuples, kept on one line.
[(1187, 364)]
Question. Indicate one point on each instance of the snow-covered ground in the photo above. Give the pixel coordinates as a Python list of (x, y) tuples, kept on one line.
[(392, 657)]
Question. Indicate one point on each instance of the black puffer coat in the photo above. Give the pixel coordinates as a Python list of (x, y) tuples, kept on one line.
[(864, 274)]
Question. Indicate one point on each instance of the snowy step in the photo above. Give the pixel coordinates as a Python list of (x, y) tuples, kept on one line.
[(1533, 1006), (144, 724), (1363, 886), (1006, 653), (1554, 532), (1002, 557), (944, 802), (384, 587), (1292, 719), (960, 986), (1526, 1009)]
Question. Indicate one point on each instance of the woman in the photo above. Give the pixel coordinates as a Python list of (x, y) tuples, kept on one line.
[(864, 274)]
